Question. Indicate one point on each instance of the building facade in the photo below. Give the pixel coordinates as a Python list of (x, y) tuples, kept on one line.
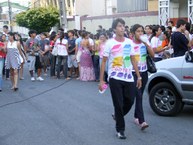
[(69, 5)]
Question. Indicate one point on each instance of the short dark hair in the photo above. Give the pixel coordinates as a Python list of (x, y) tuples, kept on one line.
[(32, 32), (169, 27), (163, 28), (188, 26), (44, 33), (135, 27), (116, 21), (180, 22), (72, 32), (5, 26)]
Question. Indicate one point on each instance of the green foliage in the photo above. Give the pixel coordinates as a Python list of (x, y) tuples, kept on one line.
[(40, 19), (20, 19)]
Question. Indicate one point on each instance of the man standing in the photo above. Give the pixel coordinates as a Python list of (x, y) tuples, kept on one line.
[(180, 39), (119, 53), (32, 48), (71, 53), (6, 31), (44, 47)]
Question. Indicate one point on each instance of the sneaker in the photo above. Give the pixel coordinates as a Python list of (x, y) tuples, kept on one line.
[(40, 79), (32, 79), (68, 78), (121, 135), (144, 125)]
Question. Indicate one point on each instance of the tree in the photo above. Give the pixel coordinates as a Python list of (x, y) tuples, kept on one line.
[(40, 19)]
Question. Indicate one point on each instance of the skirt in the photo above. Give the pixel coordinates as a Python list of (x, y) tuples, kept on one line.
[(12, 59)]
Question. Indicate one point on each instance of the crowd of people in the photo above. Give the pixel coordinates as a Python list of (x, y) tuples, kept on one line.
[(116, 56)]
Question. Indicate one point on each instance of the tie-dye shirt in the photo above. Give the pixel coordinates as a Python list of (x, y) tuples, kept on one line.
[(140, 51), (119, 63)]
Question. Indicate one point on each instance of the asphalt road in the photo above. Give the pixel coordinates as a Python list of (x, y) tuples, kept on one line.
[(55, 112)]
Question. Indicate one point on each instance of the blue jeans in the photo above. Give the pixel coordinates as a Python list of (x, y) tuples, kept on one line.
[(65, 67), (1, 71)]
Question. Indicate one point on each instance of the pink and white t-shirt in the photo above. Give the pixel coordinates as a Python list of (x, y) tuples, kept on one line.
[(119, 62), (140, 53)]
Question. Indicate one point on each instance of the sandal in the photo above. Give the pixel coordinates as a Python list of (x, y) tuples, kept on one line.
[(136, 121), (144, 125)]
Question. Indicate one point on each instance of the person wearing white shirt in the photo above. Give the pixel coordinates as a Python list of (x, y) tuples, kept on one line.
[(62, 55)]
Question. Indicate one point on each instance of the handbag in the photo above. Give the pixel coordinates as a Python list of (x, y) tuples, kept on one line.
[(150, 64), (55, 51)]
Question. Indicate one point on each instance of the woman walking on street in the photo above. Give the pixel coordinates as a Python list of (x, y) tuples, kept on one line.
[(22, 54), (13, 61), (141, 47)]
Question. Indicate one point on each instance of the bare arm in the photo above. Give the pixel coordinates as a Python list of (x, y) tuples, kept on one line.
[(19, 48), (134, 63), (149, 49)]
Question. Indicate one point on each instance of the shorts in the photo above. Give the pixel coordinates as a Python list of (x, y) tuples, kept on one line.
[(31, 62), (38, 64), (45, 60), (78, 55), (72, 61)]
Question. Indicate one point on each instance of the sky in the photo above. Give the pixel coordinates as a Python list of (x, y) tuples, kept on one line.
[(21, 2)]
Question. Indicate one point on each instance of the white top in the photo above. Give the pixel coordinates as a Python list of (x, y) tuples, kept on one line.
[(62, 49), (91, 42), (13, 45), (119, 63), (155, 43)]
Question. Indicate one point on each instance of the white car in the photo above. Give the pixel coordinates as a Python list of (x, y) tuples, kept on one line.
[(172, 85)]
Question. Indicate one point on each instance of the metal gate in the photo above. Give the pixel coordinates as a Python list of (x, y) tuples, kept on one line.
[(164, 12), (190, 11)]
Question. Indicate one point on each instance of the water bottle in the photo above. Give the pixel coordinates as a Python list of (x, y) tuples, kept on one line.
[(104, 87)]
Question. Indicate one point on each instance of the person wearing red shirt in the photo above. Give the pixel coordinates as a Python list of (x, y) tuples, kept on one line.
[(2, 58)]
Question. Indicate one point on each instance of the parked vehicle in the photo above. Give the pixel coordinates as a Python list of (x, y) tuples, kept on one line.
[(172, 85)]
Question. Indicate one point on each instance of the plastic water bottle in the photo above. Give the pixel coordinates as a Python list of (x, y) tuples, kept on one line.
[(104, 87)]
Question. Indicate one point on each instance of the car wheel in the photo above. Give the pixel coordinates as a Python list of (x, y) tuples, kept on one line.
[(164, 100)]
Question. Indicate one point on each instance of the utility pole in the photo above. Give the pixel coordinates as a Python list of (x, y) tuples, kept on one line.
[(63, 18), (10, 15)]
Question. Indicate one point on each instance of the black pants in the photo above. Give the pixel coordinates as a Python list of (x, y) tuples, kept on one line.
[(96, 66), (139, 94), (123, 97)]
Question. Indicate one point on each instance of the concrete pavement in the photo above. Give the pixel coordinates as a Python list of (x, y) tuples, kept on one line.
[(55, 112)]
